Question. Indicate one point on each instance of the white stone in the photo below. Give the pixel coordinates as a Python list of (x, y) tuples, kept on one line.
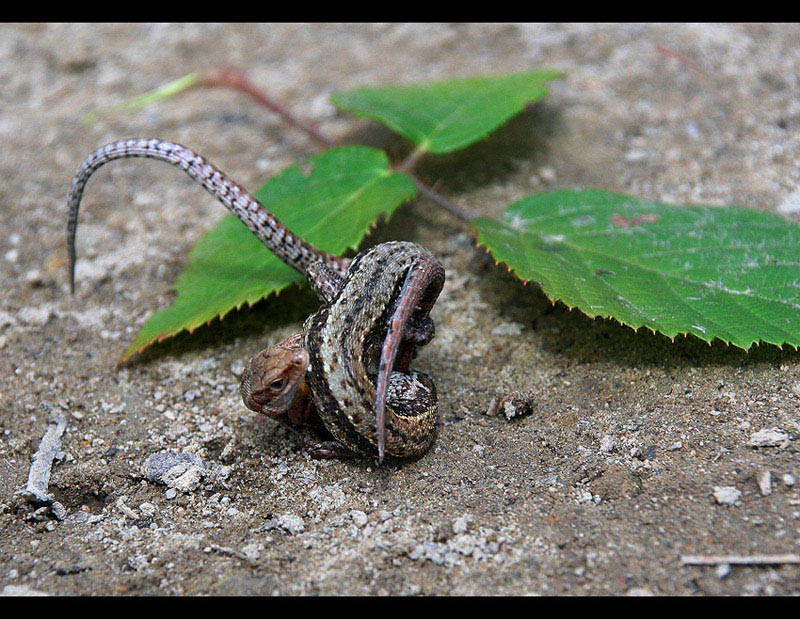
[(764, 480), (184, 477), (639, 592), (790, 204), (21, 590), (508, 328), (252, 550), (328, 498), (727, 495), (359, 517), (768, 437), (461, 524), (607, 444), (291, 523), (147, 509), (38, 316)]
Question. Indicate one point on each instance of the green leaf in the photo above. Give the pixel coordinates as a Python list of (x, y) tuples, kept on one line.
[(715, 272), (332, 205), (445, 116)]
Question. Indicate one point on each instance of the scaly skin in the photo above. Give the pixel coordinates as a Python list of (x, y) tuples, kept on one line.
[(273, 383), (363, 326), (289, 247), (374, 316)]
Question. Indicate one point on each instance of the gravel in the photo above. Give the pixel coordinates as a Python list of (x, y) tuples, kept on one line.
[(583, 493)]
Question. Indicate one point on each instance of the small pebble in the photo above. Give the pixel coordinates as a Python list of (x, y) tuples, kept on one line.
[(171, 493), (789, 480), (461, 524), (125, 510), (790, 204), (21, 590), (38, 316), (726, 495), (635, 154), (290, 523), (607, 444), (547, 174), (359, 518), (34, 278), (768, 437), (723, 569), (648, 453), (764, 480), (508, 328), (252, 551), (148, 509), (639, 592)]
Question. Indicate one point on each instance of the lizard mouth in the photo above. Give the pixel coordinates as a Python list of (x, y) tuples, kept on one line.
[(258, 389)]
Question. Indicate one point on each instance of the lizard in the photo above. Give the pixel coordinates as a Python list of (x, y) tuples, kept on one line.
[(375, 311), (341, 343), (274, 384)]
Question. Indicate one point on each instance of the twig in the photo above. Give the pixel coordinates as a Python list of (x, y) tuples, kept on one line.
[(671, 53), (39, 475), (455, 210), (237, 80), (740, 559), (413, 158), (232, 552)]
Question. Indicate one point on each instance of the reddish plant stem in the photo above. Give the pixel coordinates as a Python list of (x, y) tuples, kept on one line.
[(685, 60), (237, 80), (451, 207)]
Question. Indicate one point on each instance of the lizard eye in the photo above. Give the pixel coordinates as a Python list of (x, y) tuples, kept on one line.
[(276, 384)]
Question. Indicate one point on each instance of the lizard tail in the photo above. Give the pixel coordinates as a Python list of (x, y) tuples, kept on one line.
[(290, 248)]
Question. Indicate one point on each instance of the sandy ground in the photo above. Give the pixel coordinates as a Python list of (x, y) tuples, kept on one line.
[(600, 490)]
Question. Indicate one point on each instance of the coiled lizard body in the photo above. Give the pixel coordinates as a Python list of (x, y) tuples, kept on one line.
[(348, 370)]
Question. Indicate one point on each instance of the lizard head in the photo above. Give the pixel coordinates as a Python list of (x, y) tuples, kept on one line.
[(271, 378)]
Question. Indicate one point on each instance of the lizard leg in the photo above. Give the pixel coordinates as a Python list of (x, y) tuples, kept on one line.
[(327, 450), (421, 288)]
